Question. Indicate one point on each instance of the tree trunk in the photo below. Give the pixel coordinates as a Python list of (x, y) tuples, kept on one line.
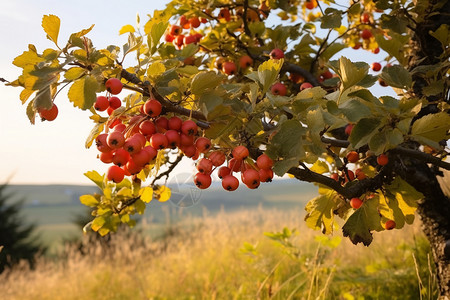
[(434, 212), (434, 208)]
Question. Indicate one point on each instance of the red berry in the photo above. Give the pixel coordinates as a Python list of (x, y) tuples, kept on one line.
[(169, 38), (390, 224), (223, 172), (121, 157), (203, 144), (159, 141), (204, 165), (230, 183), (110, 110), (173, 138), (175, 123), (152, 108), (217, 158), (305, 85), (184, 22), (353, 156), (348, 129), (224, 14), (360, 175), (147, 128), (264, 162), (162, 124), (115, 174), (174, 30), (189, 39), (119, 127), (187, 140), (240, 152), (366, 34), (195, 22), (106, 157), (251, 178), (132, 145), (376, 50), (202, 181), (327, 74), (350, 176), (115, 140), (245, 62), (265, 175), (376, 66), (382, 159), (114, 86), (101, 104), (133, 167), (49, 114), (356, 203), (229, 68), (365, 18), (189, 127), (276, 53), (189, 151), (278, 89), (114, 102), (335, 176), (235, 164), (152, 152), (101, 143), (179, 41), (141, 158)]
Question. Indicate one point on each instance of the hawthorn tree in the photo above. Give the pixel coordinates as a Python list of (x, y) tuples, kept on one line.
[(261, 87)]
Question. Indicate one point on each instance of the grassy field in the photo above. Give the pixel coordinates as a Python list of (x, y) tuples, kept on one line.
[(227, 248)]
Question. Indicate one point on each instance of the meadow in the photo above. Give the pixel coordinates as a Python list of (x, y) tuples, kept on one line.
[(247, 249)]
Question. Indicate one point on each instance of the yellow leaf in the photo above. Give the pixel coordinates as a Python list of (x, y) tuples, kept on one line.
[(164, 193), (146, 194), (89, 200), (27, 58), (74, 73), (25, 94), (98, 223), (320, 167), (51, 24), (126, 28), (83, 92)]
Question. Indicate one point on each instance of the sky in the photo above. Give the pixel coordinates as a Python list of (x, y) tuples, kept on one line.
[(54, 152)]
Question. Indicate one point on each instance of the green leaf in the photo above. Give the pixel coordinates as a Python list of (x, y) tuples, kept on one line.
[(156, 33), (355, 110), (365, 95), (31, 112), (442, 35), (320, 214), (205, 81), (434, 127), (350, 73), (360, 224), (51, 24), (126, 29), (82, 93), (43, 99), (393, 23), (209, 101), (331, 19), (397, 76), (146, 194), (393, 46), (95, 177), (268, 72), (89, 200), (363, 131)]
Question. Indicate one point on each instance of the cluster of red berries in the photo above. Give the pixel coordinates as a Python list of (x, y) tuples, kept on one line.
[(113, 86), (175, 34), (252, 173)]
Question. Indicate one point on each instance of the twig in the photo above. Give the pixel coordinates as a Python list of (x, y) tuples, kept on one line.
[(167, 173)]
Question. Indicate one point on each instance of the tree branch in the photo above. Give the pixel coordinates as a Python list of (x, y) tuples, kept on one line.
[(167, 173)]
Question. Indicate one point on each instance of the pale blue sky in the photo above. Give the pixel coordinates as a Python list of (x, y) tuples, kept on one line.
[(53, 152)]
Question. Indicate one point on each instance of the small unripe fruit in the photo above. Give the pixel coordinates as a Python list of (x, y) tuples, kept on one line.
[(114, 86), (356, 203)]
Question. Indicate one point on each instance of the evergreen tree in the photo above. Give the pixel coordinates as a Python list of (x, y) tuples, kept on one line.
[(17, 238)]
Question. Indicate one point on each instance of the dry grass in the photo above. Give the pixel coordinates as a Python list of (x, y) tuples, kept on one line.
[(202, 259)]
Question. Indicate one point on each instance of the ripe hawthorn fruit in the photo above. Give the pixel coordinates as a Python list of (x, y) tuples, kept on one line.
[(114, 86), (121, 157), (278, 89), (390, 224), (225, 14), (223, 172), (360, 175), (189, 39), (235, 164), (245, 62), (152, 152), (159, 141), (114, 102), (189, 150), (366, 34), (189, 127), (101, 143), (194, 22), (276, 53), (174, 30), (250, 178), (352, 156), (204, 165), (356, 203), (141, 158), (106, 157), (202, 181), (203, 144), (217, 158), (265, 175), (230, 183), (376, 66), (173, 138), (348, 129), (335, 176), (115, 140), (229, 68), (132, 145), (382, 159), (49, 114), (240, 152), (305, 85), (175, 123), (133, 167), (101, 104), (147, 128), (187, 140), (115, 174), (162, 124), (152, 108), (264, 162)]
